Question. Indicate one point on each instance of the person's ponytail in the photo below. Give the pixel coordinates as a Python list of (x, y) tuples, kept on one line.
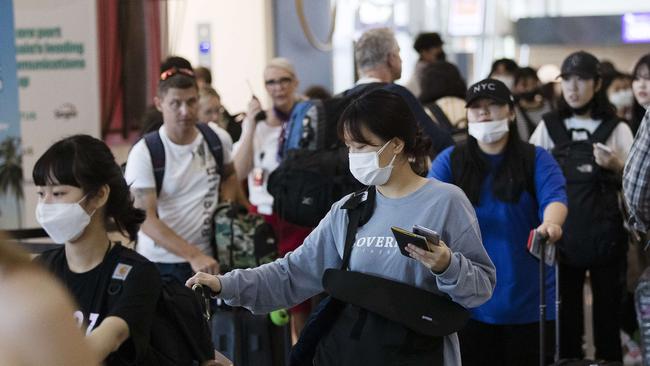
[(121, 211), (419, 153)]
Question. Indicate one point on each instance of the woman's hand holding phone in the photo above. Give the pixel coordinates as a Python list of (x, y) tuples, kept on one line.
[(607, 158), (437, 258), (425, 246), (254, 107)]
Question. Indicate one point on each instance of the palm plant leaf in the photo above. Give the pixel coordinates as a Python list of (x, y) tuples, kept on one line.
[(11, 170)]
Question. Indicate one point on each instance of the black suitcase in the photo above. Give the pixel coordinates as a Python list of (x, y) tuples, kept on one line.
[(558, 303), (248, 339)]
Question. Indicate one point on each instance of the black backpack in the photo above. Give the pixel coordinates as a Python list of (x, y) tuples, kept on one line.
[(157, 151), (180, 335), (593, 230), (458, 134), (314, 172), (530, 155)]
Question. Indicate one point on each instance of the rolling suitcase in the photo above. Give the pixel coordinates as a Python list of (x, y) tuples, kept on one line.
[(558, 306)]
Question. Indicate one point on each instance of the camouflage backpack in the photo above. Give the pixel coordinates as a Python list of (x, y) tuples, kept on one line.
[(242, 239)]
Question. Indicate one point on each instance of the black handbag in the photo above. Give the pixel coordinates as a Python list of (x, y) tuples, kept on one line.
[(419, 310)]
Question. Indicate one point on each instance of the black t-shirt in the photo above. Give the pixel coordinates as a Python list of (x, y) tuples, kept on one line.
[(125, 285)]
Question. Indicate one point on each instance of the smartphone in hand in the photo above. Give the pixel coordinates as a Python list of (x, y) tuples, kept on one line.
[(535, 240), (432, 236), (405, 237), (603, 147)]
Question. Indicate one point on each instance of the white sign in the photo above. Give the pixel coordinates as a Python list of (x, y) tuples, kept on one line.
[(466, 17), (58, 77)]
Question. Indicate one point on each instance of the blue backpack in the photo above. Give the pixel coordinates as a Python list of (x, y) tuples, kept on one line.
[(313, 173)]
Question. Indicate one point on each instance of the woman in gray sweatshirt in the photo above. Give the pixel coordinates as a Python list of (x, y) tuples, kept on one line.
[(386, 150)]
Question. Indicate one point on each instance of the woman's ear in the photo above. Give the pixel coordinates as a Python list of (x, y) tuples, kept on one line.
[(598, 85), (100, 198), (398, 145)]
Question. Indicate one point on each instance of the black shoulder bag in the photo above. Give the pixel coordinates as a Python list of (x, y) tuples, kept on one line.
[(429, 314)]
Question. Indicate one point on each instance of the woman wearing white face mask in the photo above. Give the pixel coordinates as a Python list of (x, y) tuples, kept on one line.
[(386, 151), (81, 189), (618, 87), (514, 188)]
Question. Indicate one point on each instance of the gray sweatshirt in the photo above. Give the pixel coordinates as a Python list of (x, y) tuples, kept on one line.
[(469, 280)]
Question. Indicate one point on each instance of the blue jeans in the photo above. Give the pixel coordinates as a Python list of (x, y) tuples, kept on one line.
[(180, 271)]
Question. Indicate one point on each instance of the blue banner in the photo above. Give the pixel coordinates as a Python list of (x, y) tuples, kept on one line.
[(9, 115), (11, 185)]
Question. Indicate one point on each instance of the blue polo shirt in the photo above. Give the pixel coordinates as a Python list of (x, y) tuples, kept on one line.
[(504, 228)]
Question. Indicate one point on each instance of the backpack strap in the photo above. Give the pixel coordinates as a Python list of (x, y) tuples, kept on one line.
[(529, 122), (214, 144), (604, 130), (157, 153), (359, 206), (440, 116), (556, 128), (530, 155)]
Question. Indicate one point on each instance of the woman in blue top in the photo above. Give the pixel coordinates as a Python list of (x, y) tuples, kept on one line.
[(514, 188)]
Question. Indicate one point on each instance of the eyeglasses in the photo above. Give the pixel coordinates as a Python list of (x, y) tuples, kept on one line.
[(285, 81), (173, 71)]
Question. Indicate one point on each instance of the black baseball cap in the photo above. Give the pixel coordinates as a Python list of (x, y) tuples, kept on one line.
[(491, 89), (424, 41), (581, 63)]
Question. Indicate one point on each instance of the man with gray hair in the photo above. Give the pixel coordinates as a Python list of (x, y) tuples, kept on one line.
[(377, 57)]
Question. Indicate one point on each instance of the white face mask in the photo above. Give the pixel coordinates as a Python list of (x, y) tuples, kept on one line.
[(622, 98), (365, 167), (63, 222), (488, 132)]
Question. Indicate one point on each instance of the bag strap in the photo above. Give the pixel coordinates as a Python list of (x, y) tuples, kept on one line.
[(214, 144), (440, 116), (556, 128), (530, 155), (604, 130), (529, 122), (358, 205), (157, 152)]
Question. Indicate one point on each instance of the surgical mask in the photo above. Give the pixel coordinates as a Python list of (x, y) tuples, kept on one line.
[(365, 167), (622, 98), (508, 80), (63, 222), (488, 132)]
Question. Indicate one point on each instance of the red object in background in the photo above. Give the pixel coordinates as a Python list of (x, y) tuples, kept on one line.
[(110, 65), (111, 58)]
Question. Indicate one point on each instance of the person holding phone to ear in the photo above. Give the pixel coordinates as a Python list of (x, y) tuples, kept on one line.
[(515, 188), (256, 155)]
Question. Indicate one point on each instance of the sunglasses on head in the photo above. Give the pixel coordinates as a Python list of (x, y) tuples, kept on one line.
[(173, 71)]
